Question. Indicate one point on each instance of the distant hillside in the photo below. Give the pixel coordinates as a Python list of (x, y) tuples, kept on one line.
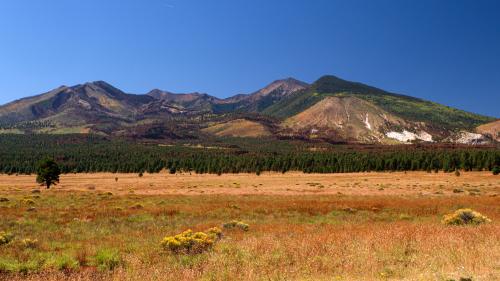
[(263, 98), (331, 109), (410, 108), (491, 129)]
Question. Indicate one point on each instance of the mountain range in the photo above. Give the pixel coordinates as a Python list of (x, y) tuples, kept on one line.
[(330, 109)]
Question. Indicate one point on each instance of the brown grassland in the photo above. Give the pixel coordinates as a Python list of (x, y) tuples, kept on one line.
[(366, 226)]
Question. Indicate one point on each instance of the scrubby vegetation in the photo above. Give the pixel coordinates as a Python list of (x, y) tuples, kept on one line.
[(189, 242), (5, 238), (236, 224), (107, 259), (89, 235), (496, 170), (465, 217), (29, 243)]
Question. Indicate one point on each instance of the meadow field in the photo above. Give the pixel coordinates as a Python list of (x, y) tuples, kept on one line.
[(360, 226)]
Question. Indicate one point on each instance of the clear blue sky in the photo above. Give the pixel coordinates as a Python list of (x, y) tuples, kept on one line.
[(444, 51)]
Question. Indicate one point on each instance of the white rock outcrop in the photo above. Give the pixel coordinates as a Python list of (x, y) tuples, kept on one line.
[(407, 136)]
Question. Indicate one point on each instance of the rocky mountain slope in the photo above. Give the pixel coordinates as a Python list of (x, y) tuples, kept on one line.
[(330, 109), (491, 129)]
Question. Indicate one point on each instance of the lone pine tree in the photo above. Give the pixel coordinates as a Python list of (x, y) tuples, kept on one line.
[(48, 173)]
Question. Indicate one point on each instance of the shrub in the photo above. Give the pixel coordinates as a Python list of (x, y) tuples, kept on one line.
[(496, 170), (465, 217), (215, 232), (29, 243), (106, 259), (28, 201), (12, 265), (236, 224), (190, 242), (350, 210), (457, 173), (405, 217), (8, 265), (3, 199), (137, 206), (5, 238), (64, 262)]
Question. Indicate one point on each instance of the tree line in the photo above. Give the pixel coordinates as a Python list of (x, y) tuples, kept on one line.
[(77, 154)]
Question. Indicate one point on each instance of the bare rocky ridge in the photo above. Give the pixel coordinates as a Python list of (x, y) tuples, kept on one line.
[(348, 118)]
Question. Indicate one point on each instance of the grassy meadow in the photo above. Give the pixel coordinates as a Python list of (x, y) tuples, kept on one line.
[(109, 227)]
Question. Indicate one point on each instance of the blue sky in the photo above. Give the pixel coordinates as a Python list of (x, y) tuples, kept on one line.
[(444, 51)]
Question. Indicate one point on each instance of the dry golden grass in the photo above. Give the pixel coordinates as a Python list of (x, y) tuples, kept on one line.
[(361, 234), (294, 183)]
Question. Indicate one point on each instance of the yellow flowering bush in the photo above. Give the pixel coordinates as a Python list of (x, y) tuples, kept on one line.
[(190, 242), (28, 201), (29, 243), (465, 217), (5, 238), (215, 232), (236, 224)]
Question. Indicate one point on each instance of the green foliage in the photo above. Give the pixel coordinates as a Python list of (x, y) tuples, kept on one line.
[(465, 217), (8, 265), (78, 154), (63, 262), (48, 173), (107, 259), (425, 111), (496, 170), (294, 104)]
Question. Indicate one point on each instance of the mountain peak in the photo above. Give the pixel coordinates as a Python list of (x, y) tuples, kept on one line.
[(102, 85), (292, 80), (102, 108), (272, 92), (284, 86), (334, 84)]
